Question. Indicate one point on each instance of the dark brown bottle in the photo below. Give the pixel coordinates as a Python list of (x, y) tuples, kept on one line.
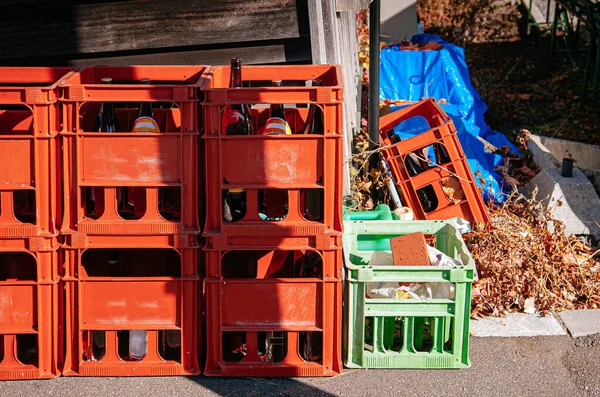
[(412, 167), (313, 203), (234, 205), (237, 118), (426, 195), (315, 121), (393, 137), (441, 154), (107, 118), (277, 108), (98, 345)]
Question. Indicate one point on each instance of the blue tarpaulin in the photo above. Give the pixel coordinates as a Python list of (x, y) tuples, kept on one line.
[(443, 74)]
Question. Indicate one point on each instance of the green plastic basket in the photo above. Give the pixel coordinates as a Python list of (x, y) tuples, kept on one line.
[(383, 213), (405, 333)]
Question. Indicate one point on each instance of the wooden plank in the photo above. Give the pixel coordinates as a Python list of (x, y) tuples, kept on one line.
[(51, 29), (268, 52), (351, 5), (278, 53)]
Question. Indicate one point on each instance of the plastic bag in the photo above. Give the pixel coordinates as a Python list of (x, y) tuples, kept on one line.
[(419, 291)]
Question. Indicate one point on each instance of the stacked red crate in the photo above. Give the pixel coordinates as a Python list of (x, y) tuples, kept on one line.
[(273, 265), (29, 208), (130, 222)]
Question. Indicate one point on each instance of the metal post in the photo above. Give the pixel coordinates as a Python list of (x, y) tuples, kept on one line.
[(374, 29)]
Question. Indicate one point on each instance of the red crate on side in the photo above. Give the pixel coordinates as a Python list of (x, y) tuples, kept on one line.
[(127, 183), (29, 309), (445, 188), (113, 292), (29, 124), (291, 184)]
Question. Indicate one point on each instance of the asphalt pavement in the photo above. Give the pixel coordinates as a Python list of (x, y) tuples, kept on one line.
[(539, 366)]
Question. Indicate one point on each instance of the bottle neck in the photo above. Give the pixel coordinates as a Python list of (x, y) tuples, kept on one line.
[(314, 121), (235, 77), (277, 111), (145, 110), (108, 118)]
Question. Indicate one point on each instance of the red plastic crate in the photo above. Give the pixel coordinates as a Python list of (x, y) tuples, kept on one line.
[(144, 166), (293, 306), (455, 173), (33, 255), (155, 289), (33, 90), (29, 309), (292, 163), (328, 248), (256, 289), (28, 129)]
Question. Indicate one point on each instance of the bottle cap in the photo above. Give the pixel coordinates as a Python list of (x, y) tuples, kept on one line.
[(106, 80), (276, 83), (236, 63), (145, 80)]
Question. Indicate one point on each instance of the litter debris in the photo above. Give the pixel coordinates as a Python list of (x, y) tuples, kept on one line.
[(419, 291)]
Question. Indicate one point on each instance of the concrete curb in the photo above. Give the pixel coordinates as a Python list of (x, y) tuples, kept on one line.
[(516, 325), (581, 322)]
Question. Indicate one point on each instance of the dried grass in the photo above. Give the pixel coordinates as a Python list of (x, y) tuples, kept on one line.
[(518, 258)]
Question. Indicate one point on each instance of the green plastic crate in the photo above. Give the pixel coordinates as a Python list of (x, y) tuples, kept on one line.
[(383, 213), (405, 333)]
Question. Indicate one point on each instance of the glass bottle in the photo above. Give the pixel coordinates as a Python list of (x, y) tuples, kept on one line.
[(138, 344), (107, 118), (315, 120), (236, 118), (427, 194), (277, 124), (145, 118), (313, 203)]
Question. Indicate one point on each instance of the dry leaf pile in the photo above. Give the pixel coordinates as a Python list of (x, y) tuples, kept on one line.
[(520, 262), (468, 21)]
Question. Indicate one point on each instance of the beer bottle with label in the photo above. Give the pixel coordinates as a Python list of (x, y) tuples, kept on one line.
[(276, 124), (236, 118), (145, 118)]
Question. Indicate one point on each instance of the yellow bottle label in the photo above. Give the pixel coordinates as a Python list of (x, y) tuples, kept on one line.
[(145, 124), (277, 126)]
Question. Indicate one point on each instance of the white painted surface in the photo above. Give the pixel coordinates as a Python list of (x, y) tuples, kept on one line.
[(398, 19)]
